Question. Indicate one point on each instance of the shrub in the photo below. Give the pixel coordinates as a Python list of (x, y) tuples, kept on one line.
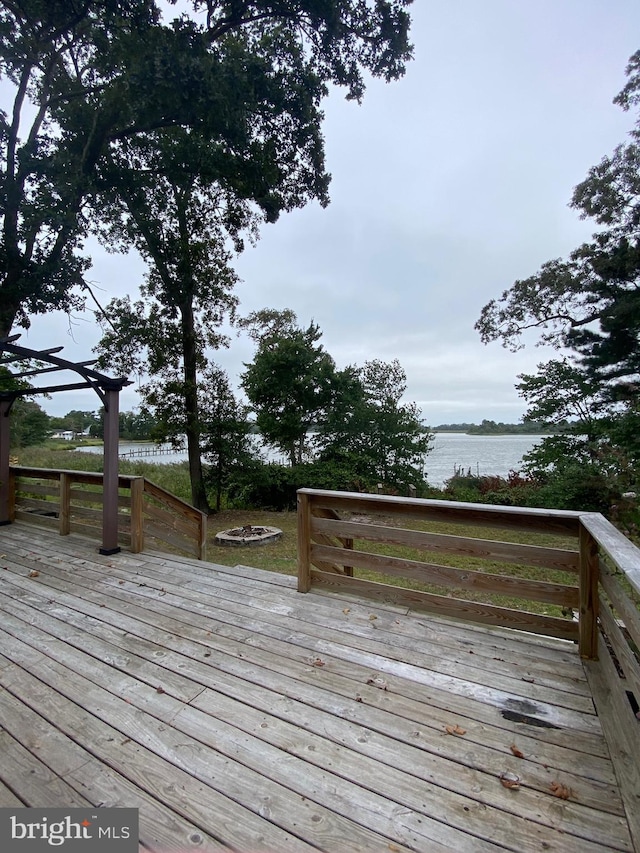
[(578, 487), (271, 486)]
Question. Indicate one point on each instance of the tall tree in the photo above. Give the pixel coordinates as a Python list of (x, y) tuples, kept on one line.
[(180, 194), (588, 306), (590, 303), (92, 77), (289, 383), (368, 424), (226, 432), (179, 222)]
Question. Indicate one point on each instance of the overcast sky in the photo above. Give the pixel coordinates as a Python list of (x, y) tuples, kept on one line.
[(447, 187)]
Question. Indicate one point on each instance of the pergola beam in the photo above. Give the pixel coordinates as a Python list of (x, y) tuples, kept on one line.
[(38, 371), (39, 354), (50, 389)]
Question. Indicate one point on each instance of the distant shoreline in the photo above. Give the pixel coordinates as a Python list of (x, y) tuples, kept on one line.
[(488, 427), (489, 433)]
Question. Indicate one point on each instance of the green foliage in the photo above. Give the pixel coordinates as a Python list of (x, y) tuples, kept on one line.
[(513, 490), (29, 424), (274, 487), (369, 427), (61, 60), (561, 392), (489, 427), (226, 433), (530, 427), (136, 425), (579, 487), (77, 421), (98, 86), (290, 385), (360, 424)]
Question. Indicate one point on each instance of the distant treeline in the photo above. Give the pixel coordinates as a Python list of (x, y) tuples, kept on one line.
[(499, 428)]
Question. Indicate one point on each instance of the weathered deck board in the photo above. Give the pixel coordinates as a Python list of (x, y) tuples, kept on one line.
[(286, 722), (159, 827), (407, 636)]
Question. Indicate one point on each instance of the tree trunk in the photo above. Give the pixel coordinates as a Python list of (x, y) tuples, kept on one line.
[(8, 313), (192, 426), (219, 483)]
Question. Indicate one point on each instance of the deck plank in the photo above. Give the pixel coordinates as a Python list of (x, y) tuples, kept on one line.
[(31, 780), (160, 826), (261, 651), (235, 712), (145, 750), (8, 799), (357, 624)]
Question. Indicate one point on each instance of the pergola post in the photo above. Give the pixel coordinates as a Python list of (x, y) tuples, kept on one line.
[(5, 496), (110, 481)]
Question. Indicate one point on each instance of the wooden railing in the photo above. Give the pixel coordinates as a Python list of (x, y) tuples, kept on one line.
[(72, 501), (331, 523)]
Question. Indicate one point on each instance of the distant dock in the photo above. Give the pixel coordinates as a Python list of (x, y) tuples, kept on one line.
[(151, 450)]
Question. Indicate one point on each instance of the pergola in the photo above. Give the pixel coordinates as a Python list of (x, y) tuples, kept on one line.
[(108, 390)]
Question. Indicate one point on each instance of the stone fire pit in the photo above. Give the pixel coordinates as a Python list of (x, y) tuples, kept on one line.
[(248, 535)]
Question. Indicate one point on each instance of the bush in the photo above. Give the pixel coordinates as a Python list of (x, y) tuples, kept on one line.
[(274, 486), (513, 490), (578, 487)]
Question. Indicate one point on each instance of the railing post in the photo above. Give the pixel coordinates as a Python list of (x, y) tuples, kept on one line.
[(64, 509), (137, 515), (304, 543), (202, 532), (11, 504), (5, 463), (589, 576)]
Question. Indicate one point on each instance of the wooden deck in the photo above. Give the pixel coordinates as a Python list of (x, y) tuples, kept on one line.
[(237, 713)]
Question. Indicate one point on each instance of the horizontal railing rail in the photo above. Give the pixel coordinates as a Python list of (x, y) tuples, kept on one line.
[(71, 501)]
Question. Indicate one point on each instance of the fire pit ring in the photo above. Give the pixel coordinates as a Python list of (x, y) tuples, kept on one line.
[(248, 535)]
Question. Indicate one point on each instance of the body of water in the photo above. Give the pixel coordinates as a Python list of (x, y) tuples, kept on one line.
[(483, 455)]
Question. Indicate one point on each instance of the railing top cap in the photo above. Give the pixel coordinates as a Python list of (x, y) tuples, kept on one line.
[(444, 504)]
